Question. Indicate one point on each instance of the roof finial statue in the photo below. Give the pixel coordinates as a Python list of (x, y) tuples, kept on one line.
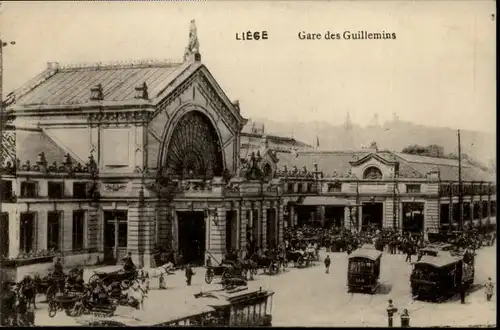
[(193, 47)]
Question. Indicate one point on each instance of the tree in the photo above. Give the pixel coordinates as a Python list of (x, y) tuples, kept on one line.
[(432, 150)]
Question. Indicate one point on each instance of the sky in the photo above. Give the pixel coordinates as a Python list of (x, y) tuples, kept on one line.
[(439, 71)]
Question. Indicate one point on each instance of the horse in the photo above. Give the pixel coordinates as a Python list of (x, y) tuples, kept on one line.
[(158, 272), (27, 288), (135, 295)]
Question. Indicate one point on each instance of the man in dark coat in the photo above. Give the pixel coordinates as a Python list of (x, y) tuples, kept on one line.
[(327, 264), (462, 293), (128, 265)]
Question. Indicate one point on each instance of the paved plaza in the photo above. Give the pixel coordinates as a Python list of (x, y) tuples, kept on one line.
[(309, 297)]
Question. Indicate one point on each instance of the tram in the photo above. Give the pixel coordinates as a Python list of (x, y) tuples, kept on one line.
[(236, 308), (440, 274), (363, 271)]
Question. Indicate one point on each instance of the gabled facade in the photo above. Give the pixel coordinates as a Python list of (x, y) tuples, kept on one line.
[(133, 157)]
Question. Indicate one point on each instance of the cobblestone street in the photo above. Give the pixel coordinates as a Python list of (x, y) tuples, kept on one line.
[(309, 297)]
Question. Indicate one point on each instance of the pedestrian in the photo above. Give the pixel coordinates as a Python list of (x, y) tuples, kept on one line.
[(327, 264), (390, 313), (489, 289), (408, 254), (189, 274), (462, 293), (209, 262), (405, 319)]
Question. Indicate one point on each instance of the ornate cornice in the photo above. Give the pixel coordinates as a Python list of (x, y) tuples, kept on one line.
[(119, 117)]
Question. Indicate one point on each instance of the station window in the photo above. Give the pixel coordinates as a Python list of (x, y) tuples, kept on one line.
[(27, 232), (299, 187), (412, 188), (80, 190), (29, 189), (335, 187), (4, 235), (6, 189), (78, 229), (53, 230), (55, 189)]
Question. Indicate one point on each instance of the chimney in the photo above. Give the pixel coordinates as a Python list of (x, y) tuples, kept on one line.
[(53, 65)]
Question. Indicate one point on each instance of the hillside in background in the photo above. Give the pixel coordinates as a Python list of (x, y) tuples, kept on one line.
[(393, 135)]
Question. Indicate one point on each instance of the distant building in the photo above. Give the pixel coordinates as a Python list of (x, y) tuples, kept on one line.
[(356, 188)]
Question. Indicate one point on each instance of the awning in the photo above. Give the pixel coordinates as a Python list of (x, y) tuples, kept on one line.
[(325, 200)]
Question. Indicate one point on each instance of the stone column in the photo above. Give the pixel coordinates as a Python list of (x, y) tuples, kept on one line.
[(431, 216), (133, 232), (218, 234), (263, 226), (481, 209), (321, 214), (41, 230), (347, 218), (94, 237), (243, 231), (280, 222), (67, 229), (291, 216), (388, 221), (14, 233)]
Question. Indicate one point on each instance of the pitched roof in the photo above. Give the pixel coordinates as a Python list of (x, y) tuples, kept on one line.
[(8, 147), (410, 166), (330, 162), (71, 85), (30, 143)]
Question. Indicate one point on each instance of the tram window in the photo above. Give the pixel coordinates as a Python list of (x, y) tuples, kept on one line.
[(360, 267)]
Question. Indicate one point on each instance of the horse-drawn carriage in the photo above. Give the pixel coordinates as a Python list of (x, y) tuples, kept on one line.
[(94, 299), (271, 261), (227, 270), (53, 284), (121, 276)]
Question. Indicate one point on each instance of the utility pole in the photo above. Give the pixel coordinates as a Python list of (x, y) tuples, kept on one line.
[(460, 194)]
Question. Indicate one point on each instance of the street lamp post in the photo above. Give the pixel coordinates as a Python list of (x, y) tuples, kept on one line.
[(2, 120)]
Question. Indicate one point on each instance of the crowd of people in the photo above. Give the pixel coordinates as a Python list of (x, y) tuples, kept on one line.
[(336, 239)]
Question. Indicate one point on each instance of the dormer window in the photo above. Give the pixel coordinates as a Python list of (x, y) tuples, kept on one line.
[(55, 189), (141, 92), (96, 93)]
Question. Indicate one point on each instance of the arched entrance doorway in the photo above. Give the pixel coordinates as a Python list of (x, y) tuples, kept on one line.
[(193, 152)]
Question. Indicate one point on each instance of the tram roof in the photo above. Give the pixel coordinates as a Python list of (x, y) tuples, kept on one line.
[(152, 314), (367, 253), (438, 261)]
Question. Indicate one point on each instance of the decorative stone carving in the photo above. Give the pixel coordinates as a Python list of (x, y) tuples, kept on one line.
[(119, 117), (193, 47), (114, 186)]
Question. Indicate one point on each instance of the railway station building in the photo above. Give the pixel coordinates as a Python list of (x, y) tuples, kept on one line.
[(105, 159)]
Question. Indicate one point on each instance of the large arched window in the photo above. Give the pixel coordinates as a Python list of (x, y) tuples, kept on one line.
[(194, 149), (372, 173)]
